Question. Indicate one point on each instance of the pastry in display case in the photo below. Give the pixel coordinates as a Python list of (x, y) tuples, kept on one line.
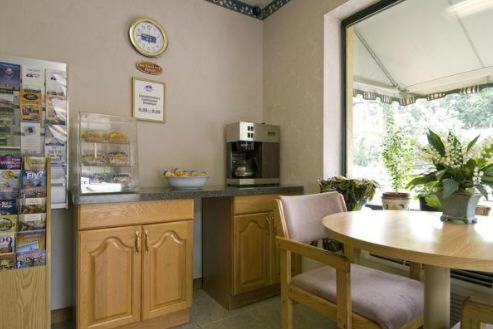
[(107, 154)]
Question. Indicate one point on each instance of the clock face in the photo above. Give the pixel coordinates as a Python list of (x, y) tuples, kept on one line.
[(148, 37)]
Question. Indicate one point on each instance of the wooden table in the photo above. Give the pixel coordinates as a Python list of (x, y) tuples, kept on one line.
[(420, 237)]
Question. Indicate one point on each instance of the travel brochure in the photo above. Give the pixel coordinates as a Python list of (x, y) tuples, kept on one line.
[(23, 213), (33, 122)]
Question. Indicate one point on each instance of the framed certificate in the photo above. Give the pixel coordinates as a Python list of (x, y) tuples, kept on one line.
[(148, 100)]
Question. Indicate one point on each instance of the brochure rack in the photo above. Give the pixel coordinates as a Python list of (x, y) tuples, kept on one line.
[(34, 116), (25, 289)]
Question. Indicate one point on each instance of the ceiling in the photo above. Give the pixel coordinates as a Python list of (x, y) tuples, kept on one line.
[(257, 3), (420, 47)]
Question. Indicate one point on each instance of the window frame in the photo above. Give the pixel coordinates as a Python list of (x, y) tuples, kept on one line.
[(345, 24)]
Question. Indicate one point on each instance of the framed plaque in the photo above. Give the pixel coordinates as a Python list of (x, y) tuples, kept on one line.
[(148, 99)]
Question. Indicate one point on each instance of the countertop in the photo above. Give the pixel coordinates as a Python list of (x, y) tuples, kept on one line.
[(167, 193)]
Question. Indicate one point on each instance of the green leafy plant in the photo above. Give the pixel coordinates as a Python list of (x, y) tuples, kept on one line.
[(427, 193), (456, 166), (356, 192), (397, 153)]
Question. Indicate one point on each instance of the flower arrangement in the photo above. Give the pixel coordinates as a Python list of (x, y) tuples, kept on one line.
[(457, 166), (356, 192)]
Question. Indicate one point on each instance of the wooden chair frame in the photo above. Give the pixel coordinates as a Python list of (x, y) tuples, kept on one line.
[(476, 313), (341, 311)]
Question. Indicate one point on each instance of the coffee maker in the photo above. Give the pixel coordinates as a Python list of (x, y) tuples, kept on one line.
[(253, 153)]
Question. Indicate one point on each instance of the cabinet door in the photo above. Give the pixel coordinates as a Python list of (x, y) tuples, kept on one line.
[(167, 272), (251, 252), (109, 277)]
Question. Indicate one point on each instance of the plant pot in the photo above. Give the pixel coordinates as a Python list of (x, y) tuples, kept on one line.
[(483, 210), (423, 205), (460, 206), (396, 201)]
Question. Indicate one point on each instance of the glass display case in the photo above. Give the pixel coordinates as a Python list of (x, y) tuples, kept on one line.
[(106, 154)]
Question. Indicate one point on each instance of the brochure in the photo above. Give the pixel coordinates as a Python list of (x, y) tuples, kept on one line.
[(56, 109), (31, 258), (33, 183), (8, 207), (8, 223), (31, 105), (29, 241), (33, 78), (7, 261), (31, 142), (34, 163), (32, 222), (10, 76), (7, 242), (10, 162), (9, 179), (56, 82), (32, 205)]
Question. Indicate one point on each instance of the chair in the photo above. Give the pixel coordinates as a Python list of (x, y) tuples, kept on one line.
[(354, 296), (476, 314)]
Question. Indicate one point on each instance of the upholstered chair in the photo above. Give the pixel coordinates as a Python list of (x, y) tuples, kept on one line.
[(351, 295), (476, 314)]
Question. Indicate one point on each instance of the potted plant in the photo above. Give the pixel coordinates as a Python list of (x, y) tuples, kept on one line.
[(428, 200), (356, 192), (458, 172), (397, 157)]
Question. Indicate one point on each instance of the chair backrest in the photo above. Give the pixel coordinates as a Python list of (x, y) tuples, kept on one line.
[(301, 215)]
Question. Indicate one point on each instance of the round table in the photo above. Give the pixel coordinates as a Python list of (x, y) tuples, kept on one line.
[(420, 237)]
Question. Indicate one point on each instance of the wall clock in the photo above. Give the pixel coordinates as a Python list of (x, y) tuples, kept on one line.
[(148, 36)]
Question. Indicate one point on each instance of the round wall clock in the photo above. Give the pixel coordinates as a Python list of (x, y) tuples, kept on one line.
[(148, 36)]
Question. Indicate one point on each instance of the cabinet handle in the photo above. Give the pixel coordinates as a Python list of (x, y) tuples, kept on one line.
[(273, 226), (146, 240), (137, 241)]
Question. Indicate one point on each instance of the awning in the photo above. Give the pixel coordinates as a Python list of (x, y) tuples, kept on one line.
[(421, 49)]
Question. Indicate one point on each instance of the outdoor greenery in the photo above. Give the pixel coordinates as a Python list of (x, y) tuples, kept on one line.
[(378, 128), (397, 152), (356, 192), (456, 166)]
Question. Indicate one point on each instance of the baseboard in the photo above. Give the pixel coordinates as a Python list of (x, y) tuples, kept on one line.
[(197, 284), (62, 315)]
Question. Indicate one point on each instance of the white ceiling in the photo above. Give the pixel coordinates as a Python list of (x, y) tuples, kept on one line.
[(424, 48), (257, 3)]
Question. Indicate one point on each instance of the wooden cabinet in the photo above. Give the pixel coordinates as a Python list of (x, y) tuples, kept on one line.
[(240, 254), (135, 273), (167, 271), (251, 252), (109, 272)]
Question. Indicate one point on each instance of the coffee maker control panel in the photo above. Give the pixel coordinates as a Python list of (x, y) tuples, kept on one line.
[(253, 132)]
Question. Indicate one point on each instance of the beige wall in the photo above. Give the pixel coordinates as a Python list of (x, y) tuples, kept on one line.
[(213, 69), (294, 86)]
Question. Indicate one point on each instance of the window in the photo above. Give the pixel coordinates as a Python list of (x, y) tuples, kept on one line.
[(415, 66)]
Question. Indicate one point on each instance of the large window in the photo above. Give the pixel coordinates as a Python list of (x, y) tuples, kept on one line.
[(415, 66)]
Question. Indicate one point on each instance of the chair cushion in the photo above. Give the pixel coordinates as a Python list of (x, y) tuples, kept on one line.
[(488, 326), (387, 299)]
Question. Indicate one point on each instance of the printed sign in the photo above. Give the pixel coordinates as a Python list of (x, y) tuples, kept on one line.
[(148, 100)]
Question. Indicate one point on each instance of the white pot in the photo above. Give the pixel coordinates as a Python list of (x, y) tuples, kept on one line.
[(396, 201)]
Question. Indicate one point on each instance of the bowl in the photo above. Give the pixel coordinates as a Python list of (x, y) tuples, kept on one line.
[(187, 182)]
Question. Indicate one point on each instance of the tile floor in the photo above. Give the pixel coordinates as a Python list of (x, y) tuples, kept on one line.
[(207, 314)]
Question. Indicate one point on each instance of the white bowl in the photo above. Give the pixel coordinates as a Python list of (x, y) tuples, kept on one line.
[(187, 182)]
